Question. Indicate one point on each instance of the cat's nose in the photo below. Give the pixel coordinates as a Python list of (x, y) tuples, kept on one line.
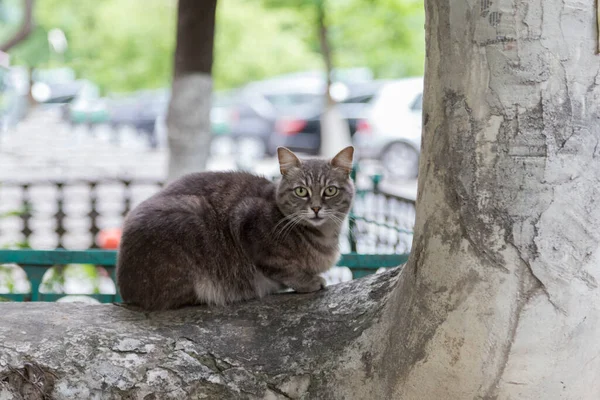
[(316, 209)]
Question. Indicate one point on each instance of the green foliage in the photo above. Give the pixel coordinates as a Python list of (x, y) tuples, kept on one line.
[(253, 42), (34, 51), (120, 45), (129, 45), (386, 35)]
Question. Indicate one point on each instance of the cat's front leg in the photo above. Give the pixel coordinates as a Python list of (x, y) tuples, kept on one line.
[(301, 282)]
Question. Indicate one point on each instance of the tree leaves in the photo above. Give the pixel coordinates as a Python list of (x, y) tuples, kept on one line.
[(129, 45)]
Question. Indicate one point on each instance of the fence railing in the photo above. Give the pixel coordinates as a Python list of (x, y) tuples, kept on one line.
[(67, 214), (70, 214), (380, 222), (36, 263)]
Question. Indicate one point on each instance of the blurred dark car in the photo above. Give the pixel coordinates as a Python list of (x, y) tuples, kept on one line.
[(122, 111), (220, 117), (149, 107), (88, 107), (300, 129), (62, 93), (261, 104), (138, 110)]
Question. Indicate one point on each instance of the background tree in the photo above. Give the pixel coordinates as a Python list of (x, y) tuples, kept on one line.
[(121, 54), (500, 298), (249, 52), (23, 30), (188, 118), (107, 46), (335, 133), (368, 32)]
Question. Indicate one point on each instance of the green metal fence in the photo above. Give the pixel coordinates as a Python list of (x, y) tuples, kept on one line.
[(36, 263)]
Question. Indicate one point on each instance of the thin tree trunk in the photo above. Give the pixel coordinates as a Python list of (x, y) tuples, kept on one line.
[(325, 46), (25, 29), (335, 133), (188, 119)]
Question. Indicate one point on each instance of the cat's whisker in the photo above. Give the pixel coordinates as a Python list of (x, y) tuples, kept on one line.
[(286, 221), (290, 227), (337, 220), (344, 216), (294, 220), (282, 220)]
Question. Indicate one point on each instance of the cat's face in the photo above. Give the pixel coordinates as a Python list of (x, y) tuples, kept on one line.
[(315, 192)]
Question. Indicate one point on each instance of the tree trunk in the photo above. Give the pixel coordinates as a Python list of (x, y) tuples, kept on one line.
[(188, 119), (499, 299), (25, 29), (335, 133), (502, 287)]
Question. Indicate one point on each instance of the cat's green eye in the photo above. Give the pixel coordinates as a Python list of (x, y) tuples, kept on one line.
[(331, 191), (301, 191)]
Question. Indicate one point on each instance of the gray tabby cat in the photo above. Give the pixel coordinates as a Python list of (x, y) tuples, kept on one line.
[(221, 237)]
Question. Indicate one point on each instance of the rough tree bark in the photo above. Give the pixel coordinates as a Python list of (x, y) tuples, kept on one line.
[(499, 299), (188, 119), (335, 133), (502, 287), (290, 346), (24, 30)]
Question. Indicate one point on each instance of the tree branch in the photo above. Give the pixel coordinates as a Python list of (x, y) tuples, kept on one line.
[(25, 29), (281, 347)]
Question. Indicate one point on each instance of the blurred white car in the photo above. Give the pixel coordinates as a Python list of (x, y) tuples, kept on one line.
[(391, 133)]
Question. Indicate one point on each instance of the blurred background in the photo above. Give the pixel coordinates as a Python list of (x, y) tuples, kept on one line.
[(83, 105)]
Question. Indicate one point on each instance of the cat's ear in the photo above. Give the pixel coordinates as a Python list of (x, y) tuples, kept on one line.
[(343, 159), (287, 160)]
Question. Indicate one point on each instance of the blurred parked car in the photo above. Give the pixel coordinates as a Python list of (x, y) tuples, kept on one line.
[(391, 133), (56, 93), (222, 113), (221, 117), (261, 103), (149, 106), (122, 111), (88, 107), (300, 129), (55, 85), (139, 112), (288, 103)]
